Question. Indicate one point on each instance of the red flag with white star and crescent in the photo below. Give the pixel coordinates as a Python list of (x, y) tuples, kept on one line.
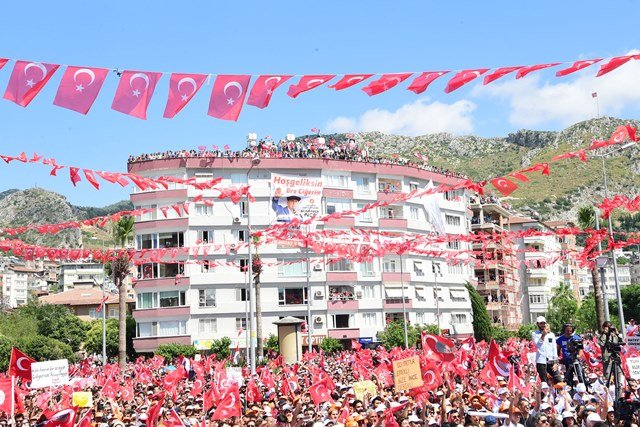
[(349, 80), (463, 77), (228, 96), (263, 89), (385, 82), (422, 82), (504, 186), (26, 81), (307, 83), (182, 88), (79, 88), (134, 93)]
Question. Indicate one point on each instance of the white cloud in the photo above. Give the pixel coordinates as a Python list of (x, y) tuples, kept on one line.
[(416, 118), (562, 101)]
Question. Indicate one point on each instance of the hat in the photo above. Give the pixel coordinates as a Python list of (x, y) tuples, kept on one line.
[(490, 420), (328, 421), (544, 385), (294, 197), (381, 408), (503, 390), (568, 414), (545, 406), (593, 418), (593, 375), (414, 419), (318, 424), (403, 399), (432, 421), (581, 388), (286, 407), (541, 319)]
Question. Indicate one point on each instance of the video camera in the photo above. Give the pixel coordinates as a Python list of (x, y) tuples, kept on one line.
[(574, 345), (626, 408)]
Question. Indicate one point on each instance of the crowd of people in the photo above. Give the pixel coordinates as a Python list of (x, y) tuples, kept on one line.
[(465, 384), (298, 149)]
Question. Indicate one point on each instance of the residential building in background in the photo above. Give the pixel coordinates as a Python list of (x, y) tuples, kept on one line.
[(193, 303), (83, 274), (85, 302)]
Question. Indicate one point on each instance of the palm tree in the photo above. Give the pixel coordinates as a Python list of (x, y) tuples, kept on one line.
[(122, 233), (587, 219)]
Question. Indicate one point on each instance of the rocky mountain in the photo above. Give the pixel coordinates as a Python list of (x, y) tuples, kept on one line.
[(38, 206), (571, 183)]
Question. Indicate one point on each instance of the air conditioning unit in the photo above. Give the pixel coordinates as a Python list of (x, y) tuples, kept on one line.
[(318, 294), (358, 294), (318, 319), (317, 267), (232, 247), (236, 220)]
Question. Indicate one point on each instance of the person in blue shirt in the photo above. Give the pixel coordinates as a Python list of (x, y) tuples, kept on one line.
[(567, 357), (289, 212)]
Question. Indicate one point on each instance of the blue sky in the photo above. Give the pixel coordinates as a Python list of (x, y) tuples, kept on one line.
[(305, 38)]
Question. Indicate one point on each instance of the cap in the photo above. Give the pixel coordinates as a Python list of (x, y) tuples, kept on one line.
[(294, 197), (503, 390), (581, 388), (544, 385), (381, 408), (593, 375), (403, 399), (568, 414), (414, 419), (328, 421), (490, 420), (545, 406), (541, 319), (318, 424), (593, 418), (432, 421)]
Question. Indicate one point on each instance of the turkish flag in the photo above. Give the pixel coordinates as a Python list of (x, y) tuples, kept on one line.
[(504, 185), (263, 88), (182, 87), (230, 405), (500, 72), (20, 364), (498, 361), (422, 82), (253, 393), (463, 77), (113, 178), (608, 67), (431, 379), (319, 392), (173, 419), (438, 347), (27, 79), (519, 176), (6, 398), (74, 175), (227, 96), (530, 69), (88, 173), (385, 82), (488, 375), (154, 411), (63, 418), (86, 421), (3, 62), (349, 80), (577, 66), (355, 345), (79, 88), (542, 167), (307, 83), (134, 93)]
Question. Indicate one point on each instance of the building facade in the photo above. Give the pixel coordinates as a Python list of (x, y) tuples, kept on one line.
[(195, 303), (83, 274)]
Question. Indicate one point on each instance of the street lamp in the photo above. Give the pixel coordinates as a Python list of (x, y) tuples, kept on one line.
[(252, 290), (613, 255)]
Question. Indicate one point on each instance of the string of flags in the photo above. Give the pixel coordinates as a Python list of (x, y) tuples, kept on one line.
[(80, 86)]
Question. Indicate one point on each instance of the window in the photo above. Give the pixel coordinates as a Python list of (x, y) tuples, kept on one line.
[(292, 296), (207, 266), (452, 220), (414, 213), (170, 270), (458, 295), (340, 265), (364, 216), (171, 240), (242, 294), (207, 297), (537, 299), (243, 263), (203, 210), (147, 241), (368, 291), (241, 323), (458, 319), (243, 208), (113, 313), (206, 326), (294, 269), (455, 269), (413, 186), (437, 294), (341, 320), (172, 298), (417, 268), (336, 181), (172, 327), (391, 212), (337, 205), (420, 318), (203, 177), (366, 269), (146, 300), (364, 185), (93, 314), (147, 329), (453, 195), (205, 236), (389, 265), (370, 319), (453, 244), (241, 235)]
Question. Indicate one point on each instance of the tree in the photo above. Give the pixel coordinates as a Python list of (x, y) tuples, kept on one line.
[(393, 335), (93, 345), (123, 230), (500, 333), (428, 328), (5, 351), (587, 219), (43, 348), (57, 322), (331, 345), (221, 348), (586, 315), (524, 331), (481, 321), (621, 260), (563, 307), (272, 344), (173, 350), (630, 303)]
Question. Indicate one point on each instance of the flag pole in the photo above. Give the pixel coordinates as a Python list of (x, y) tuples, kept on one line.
[(13, 397)]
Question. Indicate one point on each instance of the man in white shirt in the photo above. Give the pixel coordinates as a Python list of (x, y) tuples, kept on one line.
[(547, 352)]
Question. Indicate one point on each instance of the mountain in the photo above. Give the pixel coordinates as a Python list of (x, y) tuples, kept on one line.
[(556, 197), (38, 206)]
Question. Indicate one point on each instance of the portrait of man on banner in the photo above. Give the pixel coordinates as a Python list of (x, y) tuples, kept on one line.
[(288, 212)]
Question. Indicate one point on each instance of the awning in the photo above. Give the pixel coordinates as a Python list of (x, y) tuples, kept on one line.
[(420, 292), (458, 293), (394, 292)]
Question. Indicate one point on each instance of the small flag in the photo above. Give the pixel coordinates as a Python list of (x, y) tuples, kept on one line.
[(226, 147), (240, 331), (101, 306), (594, 95)]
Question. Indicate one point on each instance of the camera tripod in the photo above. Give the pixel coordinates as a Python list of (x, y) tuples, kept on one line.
[(578, 372), (615, 368)]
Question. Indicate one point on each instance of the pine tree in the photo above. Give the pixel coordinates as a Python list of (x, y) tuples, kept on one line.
[(481, 321)]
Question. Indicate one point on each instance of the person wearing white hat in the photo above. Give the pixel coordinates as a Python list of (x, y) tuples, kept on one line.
[(546, 350)]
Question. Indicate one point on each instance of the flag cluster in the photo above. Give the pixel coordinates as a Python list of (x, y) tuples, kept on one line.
[(80, 86)]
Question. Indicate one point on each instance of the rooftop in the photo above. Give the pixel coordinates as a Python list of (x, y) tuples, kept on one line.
[(84, 296)]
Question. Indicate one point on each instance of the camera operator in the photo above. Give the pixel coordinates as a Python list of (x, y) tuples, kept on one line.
[(610, 342), (570, 348), (547, 352)]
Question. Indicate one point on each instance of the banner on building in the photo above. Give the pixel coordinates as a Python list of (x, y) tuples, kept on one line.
[(295, 197)]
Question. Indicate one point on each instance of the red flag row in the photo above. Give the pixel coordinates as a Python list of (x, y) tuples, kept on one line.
[(80, 86)]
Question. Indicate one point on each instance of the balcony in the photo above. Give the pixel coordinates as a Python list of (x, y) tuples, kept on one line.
[(344, 333), (343, 305), (396, 303), (347, 221), (537, 273), (180, 194), (337, 193), (386, 196), (149, 344), (396, 277), (342, 276), (173, 223), (161, 312), (393, 223), (178, 282)]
